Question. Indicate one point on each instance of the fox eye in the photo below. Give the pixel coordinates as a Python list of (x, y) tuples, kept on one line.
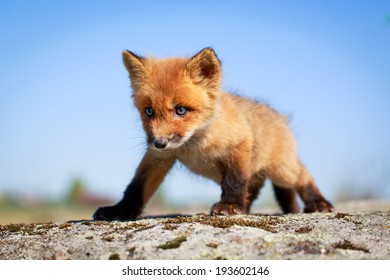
[(149, 111), (181, 110)]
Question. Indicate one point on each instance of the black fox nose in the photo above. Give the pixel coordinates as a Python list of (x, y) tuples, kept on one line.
[(160, 143)]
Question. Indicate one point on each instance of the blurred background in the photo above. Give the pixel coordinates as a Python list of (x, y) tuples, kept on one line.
[(70, 139)]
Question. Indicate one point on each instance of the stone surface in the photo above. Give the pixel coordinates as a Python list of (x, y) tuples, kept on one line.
[(338, 235)]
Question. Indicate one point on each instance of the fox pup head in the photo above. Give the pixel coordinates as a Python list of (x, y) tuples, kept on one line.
[(176, 97)]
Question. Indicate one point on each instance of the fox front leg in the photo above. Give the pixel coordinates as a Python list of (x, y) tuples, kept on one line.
[(234, 183), (131, 205), (234, 189), (148, 177)]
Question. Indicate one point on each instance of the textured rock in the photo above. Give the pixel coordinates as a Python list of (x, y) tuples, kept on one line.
[(355, 235)]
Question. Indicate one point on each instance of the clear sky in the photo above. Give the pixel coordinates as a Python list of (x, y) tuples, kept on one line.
[(66, 111)]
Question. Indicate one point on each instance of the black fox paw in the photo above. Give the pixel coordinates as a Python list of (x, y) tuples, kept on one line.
[(318, 205), (227, 209), (111, 213)]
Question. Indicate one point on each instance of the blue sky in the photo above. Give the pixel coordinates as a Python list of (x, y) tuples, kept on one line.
[(66, 111)]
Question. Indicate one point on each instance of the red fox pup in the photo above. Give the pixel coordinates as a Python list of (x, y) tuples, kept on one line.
[(232, 140)]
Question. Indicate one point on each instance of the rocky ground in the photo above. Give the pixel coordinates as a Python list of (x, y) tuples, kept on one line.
[(338, 235)]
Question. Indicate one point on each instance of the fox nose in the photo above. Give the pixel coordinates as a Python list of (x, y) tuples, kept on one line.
[(160, 143)]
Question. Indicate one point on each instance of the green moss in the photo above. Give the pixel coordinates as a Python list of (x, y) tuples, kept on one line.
[(100, 223), (348, 217), (114, 257), (29, 229), (170, 227), (212, 245), (46, 226), (143, 228), (173, 244), (304, 229), (354, 220), (340, 215), (347, 245), (12, 227), (135, 226), (131, 250), (108, 238), (65, 226), (264, 222)]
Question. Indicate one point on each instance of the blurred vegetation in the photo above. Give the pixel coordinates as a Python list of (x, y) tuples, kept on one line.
[(77, 204), (76, 193)]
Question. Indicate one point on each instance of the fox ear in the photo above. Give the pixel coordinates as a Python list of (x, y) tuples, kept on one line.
[(136, 68), (204, 68)]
